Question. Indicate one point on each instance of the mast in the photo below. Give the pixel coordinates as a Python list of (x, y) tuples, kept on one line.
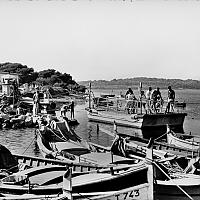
[(90, 95), (140, 97)]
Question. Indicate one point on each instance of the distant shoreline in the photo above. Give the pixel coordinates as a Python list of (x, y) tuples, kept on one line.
[(134, 83), (119, 87)]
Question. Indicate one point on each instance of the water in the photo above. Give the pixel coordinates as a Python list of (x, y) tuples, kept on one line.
[(22, 141)]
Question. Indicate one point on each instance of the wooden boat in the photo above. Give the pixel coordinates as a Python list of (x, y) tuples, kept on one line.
[(138, 144), (143, 191), (130, 113), (144, 121), (49, 180), (110, 118), (172, 182), (124, 189), (38, 180), (185, 187), (162, 186), (63, 144), (134, 113), (179, 141), (11, 163), (110, 183)]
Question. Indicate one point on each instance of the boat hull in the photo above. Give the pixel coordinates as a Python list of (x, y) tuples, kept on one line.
[(172, 192), (182, 143), (161, 119), (49, 180), (124, 121), (147, 123), (104, 182), (139, 192)]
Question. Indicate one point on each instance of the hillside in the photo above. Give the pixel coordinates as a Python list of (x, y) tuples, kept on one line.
[(48, 77), (146, 82)]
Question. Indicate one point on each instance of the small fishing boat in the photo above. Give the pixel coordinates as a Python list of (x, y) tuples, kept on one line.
[(64, 144), (11, 163), (49, 180), (181, 140), (133, 182), (38, 180), (110, 118), (139, 181), (136, 144)]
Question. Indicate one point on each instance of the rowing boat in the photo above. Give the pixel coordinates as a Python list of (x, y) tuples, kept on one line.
[(179, 141)]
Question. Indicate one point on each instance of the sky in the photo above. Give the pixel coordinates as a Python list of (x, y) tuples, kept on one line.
[(103, 39)]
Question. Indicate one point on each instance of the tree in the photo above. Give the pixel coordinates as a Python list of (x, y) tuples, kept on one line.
[(45, 77), (46, 73)]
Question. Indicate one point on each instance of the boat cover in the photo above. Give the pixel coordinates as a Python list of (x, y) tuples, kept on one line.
[(66, 131), (7, 160)]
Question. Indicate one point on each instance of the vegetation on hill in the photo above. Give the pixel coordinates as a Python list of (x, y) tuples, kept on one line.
[(49, 77), (53, 78), (146, 82)]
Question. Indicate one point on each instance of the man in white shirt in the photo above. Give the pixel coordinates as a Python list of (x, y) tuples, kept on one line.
[(148, 97)]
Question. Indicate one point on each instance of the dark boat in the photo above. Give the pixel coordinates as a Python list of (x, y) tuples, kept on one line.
[(64, 144)]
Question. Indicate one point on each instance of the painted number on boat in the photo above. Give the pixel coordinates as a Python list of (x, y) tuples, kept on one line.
[(129, 195)]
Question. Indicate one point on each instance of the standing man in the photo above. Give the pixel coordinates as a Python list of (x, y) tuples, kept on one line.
[(157, 100), (148, 98), (170, 100), (36, 103), (72, 109)]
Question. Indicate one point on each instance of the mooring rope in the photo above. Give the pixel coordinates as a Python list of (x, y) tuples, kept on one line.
[(29, 145), (173, 181)]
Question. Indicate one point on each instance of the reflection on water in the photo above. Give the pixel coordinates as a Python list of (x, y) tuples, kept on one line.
[(20, 141)]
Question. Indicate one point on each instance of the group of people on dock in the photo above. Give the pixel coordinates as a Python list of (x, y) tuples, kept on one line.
[(152, 100)]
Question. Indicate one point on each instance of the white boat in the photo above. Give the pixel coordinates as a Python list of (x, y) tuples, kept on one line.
[(48, 180), (176, 140), (113, 117), (137, 183), (133, 182)]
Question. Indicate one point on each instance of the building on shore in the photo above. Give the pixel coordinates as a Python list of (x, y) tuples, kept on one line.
[(7, 81)]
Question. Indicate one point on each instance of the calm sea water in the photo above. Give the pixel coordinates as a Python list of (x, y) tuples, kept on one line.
[(22, 141)]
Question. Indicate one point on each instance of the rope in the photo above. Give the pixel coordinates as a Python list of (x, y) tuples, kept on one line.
[(22, 153), (61, 138), (83, 196), (173, 181), (161, 136), (29, 145), (8, 170)]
